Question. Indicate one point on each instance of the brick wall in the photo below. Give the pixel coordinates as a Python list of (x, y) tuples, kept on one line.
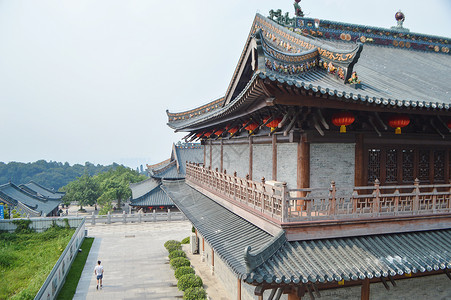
[(236, 158), (287, 163), (216, 157), (262, 162), (332, 162)]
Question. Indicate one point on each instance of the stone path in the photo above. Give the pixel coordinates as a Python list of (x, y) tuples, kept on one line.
[(135, 261)]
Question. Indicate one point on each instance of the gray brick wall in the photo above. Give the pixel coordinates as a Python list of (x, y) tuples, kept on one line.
[(236, 158), (262, 162), (216, 157), (332, 162), (287, 164)]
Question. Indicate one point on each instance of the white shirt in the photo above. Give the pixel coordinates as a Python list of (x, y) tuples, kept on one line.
[(98, 270)]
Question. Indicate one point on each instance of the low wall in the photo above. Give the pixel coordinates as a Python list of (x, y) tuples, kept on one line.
[(57, 276), (41, 224), (135, 218)]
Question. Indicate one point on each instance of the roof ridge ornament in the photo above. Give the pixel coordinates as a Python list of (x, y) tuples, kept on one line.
[(297, 9), (400, 18)]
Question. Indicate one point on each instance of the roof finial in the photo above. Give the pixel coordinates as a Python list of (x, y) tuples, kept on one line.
[(400, 17), (297, 9)]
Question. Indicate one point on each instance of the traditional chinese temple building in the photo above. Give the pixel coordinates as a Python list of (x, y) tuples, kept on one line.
[(147, 195), (326, 165), (31, 200)]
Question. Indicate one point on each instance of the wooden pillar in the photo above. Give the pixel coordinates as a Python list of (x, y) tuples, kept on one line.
[(304, 162), (238, 290), (205, 155), (358, 171), (365, 295), (251, 154), (212, 257), (211, 155), (274, 157), (293, 295), (221, 167)]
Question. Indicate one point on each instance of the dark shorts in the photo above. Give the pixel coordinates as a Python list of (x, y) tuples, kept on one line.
[(99, 276)]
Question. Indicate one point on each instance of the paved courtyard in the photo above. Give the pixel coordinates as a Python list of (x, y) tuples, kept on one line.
[(135, 261)]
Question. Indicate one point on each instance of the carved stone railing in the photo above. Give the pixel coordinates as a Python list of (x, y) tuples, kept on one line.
[(276, 202), (369, 201), (260, 197)]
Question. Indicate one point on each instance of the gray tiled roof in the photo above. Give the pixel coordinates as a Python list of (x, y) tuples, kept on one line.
[(169, 173), (357, 258), (40, 191), (391, 77), (324, 260), (13, 194), (227, 233), (155, 197)]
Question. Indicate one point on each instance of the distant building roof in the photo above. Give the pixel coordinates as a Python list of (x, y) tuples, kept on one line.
[(41, 191), (29, 203), (276, 260), (156, 197)]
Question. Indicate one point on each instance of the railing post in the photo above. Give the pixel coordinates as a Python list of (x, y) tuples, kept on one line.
[(139, 216), (124, 217), (169, 215), (376, 199), (332, 198), (93, 219), (262, 198), (285, 201), (416, 200), (108, 220), (434, 200), (154, 214)]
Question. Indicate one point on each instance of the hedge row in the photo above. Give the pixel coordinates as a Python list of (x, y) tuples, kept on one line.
[(188, 281)]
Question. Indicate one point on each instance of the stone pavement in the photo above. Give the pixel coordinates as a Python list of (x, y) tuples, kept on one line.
[(134, 259)]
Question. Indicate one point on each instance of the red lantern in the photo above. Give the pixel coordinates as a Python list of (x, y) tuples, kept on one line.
[(251, 126), (398, 122), (233, 130), (219, 132), (161, 207), (449, 124), (273, 123), (343, 119)]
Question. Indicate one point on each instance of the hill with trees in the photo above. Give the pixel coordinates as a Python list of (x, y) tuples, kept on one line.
[(50, 174)]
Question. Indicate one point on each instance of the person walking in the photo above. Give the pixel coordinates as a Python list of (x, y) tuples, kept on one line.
[(98, 271)]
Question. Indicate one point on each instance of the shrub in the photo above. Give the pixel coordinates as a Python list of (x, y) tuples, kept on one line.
[(183, 271), (195, 293), (189, 281), (22, 226), (179, 262), (172, 245), (177, 253), (185, 240)]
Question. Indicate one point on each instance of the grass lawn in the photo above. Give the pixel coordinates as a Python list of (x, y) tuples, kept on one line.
[(73, 276), (26, 260)]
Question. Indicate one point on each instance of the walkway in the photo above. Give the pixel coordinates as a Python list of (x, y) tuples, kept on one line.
[(135, 261)]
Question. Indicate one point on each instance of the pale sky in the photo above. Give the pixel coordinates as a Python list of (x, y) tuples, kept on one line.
[(90, 80)]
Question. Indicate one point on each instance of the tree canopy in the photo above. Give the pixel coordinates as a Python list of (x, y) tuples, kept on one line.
[(49, 174), (103, 188)]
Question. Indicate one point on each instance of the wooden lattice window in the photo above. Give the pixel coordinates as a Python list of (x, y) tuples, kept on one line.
[(374, 165), (423, 166), (439, 166), (408, 165), (391, 166)]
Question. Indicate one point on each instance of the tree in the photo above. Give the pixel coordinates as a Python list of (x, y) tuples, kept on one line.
[(114, 185), (84, 190)]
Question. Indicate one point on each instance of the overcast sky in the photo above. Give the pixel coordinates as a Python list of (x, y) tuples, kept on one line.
[(90, 80)]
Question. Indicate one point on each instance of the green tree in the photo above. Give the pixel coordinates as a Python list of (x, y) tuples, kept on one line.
[(114, 185), (84, 190)]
